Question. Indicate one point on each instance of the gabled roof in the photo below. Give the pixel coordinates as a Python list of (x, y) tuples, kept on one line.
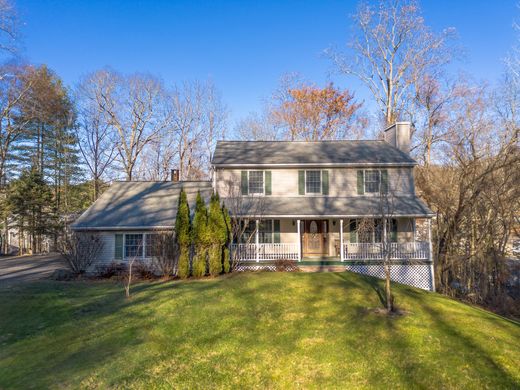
[(302, 153), (322, 206), (139, 205)]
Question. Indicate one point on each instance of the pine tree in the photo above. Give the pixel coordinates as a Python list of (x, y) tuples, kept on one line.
[(217, 227), (182, 235), (200, 237), (28, 200), (227, 257)]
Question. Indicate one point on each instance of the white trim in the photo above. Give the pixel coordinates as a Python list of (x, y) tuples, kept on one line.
[(321, 216), (341, 251), (298, 229), (116, 228), (257, 225)]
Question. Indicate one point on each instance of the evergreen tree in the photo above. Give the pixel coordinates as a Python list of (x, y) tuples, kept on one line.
[(28, 201), (227, 257), (182, 235), (218, 235), (200, 237)]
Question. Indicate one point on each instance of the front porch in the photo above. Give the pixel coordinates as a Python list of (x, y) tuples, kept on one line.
[(331, 240)]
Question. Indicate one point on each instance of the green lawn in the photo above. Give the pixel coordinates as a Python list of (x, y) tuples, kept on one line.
[(274, 330)]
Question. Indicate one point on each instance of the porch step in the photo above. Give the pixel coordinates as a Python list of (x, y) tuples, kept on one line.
[(321, 268)]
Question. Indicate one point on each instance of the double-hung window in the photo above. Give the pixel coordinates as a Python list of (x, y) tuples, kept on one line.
[(134, 245), (313, 182), (372, 181), (265, 232), (256, 182)]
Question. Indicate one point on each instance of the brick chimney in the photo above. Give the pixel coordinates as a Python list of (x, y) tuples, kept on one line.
[(175, 175), (399, 135)]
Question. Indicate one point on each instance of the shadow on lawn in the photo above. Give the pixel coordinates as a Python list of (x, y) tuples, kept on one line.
[(482, 361), (78, 339)]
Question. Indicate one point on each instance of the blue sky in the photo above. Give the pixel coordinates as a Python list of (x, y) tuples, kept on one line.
[(243, 46)]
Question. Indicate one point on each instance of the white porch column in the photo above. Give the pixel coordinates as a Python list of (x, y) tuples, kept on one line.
[(430, 252), (342, 255), (257, 247), (298, 227)]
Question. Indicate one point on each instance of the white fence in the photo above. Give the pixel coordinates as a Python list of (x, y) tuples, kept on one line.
[(418, 250), (263, 252)]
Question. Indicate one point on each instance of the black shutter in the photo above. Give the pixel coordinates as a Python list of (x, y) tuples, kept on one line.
[(301, 182), (276, 235), (325, 182), (268, 188), (360, 183), (384, 181), (243, 184)]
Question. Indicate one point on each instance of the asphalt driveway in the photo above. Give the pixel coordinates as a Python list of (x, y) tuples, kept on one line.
[(20, 269)]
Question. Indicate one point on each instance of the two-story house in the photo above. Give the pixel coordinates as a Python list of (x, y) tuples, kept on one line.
[(313, 202)]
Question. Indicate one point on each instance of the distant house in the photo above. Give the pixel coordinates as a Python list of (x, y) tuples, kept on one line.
[(305, 201)]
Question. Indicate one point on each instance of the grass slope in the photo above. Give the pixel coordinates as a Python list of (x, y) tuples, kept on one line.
[(249, 330)]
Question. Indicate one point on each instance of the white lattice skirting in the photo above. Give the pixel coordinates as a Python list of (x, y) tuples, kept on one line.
[(416, 275)]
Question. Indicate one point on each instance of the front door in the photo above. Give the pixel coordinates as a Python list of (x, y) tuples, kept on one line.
[(315, 238)]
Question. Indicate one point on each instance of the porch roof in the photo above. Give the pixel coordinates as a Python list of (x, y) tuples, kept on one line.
[(315, 207)]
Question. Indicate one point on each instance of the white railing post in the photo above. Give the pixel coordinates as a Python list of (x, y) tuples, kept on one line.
[(298, 228), (430, 252), (257, 248), (342, 255)]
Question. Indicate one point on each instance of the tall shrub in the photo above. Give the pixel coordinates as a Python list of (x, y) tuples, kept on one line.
[(200, 237), (227, 243), (218, 234), (182, 235)]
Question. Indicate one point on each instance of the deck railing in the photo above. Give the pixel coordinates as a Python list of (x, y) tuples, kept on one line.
[(265, 252), (417, 250)]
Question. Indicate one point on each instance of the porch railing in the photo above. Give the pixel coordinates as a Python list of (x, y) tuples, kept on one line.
[(265, 252), (418, 250)]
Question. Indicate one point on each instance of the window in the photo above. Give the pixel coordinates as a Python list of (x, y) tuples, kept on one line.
[(248, 230), (371, 230), (256, 182), (151, 245), (313, 182), (372, 181), (265, 232), (133, 245)]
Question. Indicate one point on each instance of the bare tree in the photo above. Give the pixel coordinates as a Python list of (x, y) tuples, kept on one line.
[(135, 107), (80, 250), (8, 27), (165, 254), (94, 133), (198, 120), (243, 210), (257, 127), (392, 48)]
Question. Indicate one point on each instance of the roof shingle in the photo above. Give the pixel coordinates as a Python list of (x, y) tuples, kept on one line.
[(269, 153)]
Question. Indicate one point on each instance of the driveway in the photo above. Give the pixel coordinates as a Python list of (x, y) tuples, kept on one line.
[(20, 269)]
